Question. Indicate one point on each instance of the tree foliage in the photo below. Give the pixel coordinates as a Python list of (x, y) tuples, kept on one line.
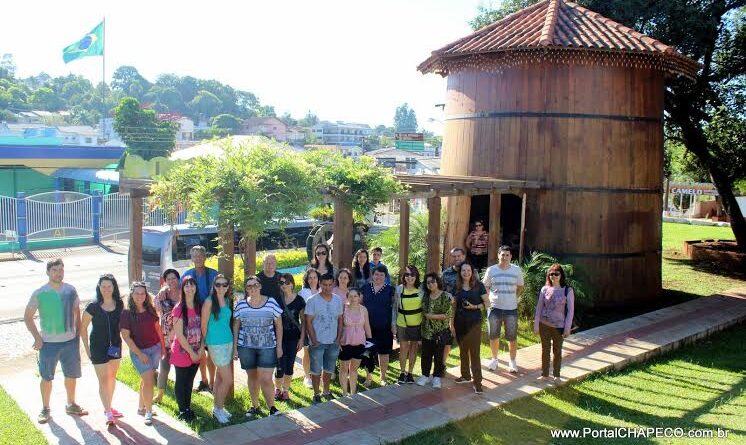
[(144, 135), (488, 13), (405, 119), (389, 241), (706, 115)]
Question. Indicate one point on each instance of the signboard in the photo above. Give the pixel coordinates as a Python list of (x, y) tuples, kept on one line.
[(697, 189), (410, 145)]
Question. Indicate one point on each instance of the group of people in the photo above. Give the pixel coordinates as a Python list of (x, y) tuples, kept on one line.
[(341, 320)]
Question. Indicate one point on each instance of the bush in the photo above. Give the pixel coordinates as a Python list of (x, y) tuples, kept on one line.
[(534, 269), (285, 259)]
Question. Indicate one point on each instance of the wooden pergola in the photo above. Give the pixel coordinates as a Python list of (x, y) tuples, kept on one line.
[(433, 188)]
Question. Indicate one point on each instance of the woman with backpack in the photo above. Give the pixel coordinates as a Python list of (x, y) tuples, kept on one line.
[(553, 321)]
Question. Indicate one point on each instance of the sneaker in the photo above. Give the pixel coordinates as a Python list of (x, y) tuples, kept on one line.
[(217, 413), (285, 396), (253, 412), (368, 381), (317, 398), (327, 396), (116, 413), (75, 410), (436, 383), (190, 416), (402, 378), (557, 379), (492, 366), (307, 382), (542, 378), (410, 378), (463, 380), (110, 420), (512, 367), (274, 411), (423, 380), (278, 394), (226, 413), (149, 418), (203, 386), (44, 416), (478, 388)]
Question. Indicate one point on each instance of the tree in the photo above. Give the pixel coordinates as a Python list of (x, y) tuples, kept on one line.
[(487, 14), (7, 66), (288, 120), (309, 120), (144, 135), (46, 99), (251, 187), (706, 115), (226, 124), (405, 119), (129, 81), (205, 104)]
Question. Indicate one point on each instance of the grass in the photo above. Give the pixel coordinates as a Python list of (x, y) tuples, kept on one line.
[(702, 386), (16, 427)]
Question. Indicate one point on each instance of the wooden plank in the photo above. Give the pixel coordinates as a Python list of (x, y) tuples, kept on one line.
[(403, 234), (494, 234), (342, 255), (433, 235), (523, 228), (135, 255)]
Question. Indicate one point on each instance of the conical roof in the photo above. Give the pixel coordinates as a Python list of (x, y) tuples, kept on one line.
[(559, 31)]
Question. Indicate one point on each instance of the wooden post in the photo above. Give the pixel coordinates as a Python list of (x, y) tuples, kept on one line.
[(249, 254), (403, 234), (458, 209), (225, 261), (342, 238), (523, 227), (433, 235), (135, 256), (494, 236)]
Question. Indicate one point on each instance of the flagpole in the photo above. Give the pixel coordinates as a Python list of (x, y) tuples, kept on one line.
[(103, 83)]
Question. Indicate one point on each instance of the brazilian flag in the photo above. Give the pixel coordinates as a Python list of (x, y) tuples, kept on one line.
[(90, 45)]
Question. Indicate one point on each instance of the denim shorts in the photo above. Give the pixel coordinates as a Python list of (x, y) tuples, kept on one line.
[(221, 355), (67, 353), (154, 357), (323, 356), (253, 358), (497, 317)]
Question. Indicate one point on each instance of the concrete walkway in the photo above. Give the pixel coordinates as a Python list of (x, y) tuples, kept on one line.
[(394, 412)]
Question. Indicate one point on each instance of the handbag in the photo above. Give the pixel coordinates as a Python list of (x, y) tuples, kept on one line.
[(112, 351)]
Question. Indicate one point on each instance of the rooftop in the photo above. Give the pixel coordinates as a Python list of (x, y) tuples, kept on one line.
[(551, 25)]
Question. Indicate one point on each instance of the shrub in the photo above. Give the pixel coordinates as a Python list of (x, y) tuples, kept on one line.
[(285, 259)]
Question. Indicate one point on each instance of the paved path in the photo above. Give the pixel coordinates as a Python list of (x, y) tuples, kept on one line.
[(394, 412)]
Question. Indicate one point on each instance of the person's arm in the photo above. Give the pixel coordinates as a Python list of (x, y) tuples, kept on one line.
[(340, 326), (161, 339), (205, 316), (449, 315), (368, 333), (570, 313), (486, 279), (539, 309), (468, 241), (183, 342), (309, 328), (485, 302), (302, 330), (278, 335), (28, 319), (395, 306), (85, 321), (236, 328), (133, 347), (519, 285)]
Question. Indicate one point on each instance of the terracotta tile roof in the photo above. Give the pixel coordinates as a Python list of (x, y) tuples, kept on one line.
[(557, 25)]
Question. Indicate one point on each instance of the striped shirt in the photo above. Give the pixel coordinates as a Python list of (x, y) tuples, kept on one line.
[(503, 286), (257, 329)]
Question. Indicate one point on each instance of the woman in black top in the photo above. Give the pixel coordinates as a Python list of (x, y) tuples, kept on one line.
[(293, 331), (360, 269), (104, 346), (469, 300)]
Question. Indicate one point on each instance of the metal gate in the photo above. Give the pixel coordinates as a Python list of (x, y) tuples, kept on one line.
[(8, 209), (55, 215), (115, 216)]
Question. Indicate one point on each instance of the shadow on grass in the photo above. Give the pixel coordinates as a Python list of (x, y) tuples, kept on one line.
[(707, 267)]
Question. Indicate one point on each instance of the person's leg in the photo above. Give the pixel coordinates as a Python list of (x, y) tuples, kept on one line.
[(439, 366), (354, 364), (557, 351), (148, 382), (180, 387), (70, 389), (511, 333), (265, 382), (474, 335), (403, 356), (192, 374), (316, 355), (426, 360), (253, 384), (69, 357), (111, 379), (48, 357), (412, 356), (344, 380), (326, 379), (164, 369), (222, 385), (493, 331), (463, 353), (306, 362), (546, 340), (211, 368), (102, 374), (331, 352)]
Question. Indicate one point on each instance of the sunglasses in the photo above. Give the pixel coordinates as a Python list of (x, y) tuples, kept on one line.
[(283, 282), (320, 253), (221, 284), (554, 274), (251, 286), (478, 225)]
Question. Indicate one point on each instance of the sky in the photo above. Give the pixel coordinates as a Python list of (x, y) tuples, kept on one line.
[(342, 60)]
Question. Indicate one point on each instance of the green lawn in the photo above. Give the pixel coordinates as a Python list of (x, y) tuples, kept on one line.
[(16, 427), (699, 387)]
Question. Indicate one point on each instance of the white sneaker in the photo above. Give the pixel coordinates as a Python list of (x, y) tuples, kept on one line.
[(512, 367), (225, 413), (436, 382), (219, 416), (423, 380), (307, 382), (149, 418), (492, 365)]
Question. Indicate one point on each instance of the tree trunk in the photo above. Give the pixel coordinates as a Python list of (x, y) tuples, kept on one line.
[(249, 256)]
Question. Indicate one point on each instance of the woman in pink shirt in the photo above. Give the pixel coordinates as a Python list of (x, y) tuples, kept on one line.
[(553, 321), (355, 330)]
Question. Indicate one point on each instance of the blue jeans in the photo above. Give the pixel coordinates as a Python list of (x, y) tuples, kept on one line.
[(252, 358), (323, 356), (154, 359), (497, 317), (66, 352)]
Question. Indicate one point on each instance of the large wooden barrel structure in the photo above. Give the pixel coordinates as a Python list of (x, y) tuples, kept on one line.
[(558, 94)]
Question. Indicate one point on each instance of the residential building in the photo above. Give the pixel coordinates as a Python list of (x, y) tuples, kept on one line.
[(341, 133), (405, 162), (296, 135), (270, 127)]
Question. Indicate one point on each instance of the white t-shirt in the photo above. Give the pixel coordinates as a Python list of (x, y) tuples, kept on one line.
[(502, 285)]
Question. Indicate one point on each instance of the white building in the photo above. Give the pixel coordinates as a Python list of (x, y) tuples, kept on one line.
[(341, 133), (406, 162)]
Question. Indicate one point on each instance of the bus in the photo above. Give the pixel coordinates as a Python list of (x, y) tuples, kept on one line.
[(165, 247)]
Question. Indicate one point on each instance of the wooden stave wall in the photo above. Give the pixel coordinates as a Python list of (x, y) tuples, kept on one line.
[(623, 226)]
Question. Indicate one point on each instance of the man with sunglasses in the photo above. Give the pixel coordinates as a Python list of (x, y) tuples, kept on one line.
[(505, 282)]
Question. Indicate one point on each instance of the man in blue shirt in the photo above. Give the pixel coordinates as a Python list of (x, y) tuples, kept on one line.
[(203, 276)]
